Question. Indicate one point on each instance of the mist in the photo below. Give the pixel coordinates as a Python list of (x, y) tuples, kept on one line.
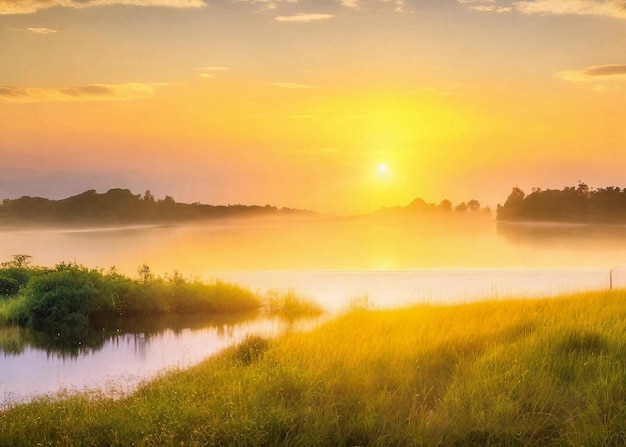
[(222, 248)]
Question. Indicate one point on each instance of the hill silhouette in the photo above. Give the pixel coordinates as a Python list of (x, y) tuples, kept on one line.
[(121, 206)]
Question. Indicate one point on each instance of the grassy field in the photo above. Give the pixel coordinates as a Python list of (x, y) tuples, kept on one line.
[(518, 372)]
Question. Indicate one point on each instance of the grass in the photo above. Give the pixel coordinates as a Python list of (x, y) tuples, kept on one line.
[(11, 310), (290, 305), (523, 372)]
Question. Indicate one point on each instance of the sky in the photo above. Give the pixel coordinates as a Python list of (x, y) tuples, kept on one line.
[(338, 106)]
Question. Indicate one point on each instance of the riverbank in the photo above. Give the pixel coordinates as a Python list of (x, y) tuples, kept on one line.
[(523, 372), (67, 297)]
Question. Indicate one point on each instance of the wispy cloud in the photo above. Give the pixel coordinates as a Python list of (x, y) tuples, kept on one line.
[(214, 68), (595, 73), (397, 5), (267, 4), (42, 30), (83, 93), (485, 6), (609, 8), (351, 3), (491, 8), (304, 18), (32, 6), (290, 85), (207, 72)]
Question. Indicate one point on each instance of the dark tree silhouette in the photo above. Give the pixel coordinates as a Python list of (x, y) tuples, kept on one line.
[(119, 206), (445, 205), (571, 204)]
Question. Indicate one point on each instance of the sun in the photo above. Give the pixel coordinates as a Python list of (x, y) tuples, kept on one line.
[(383, 171)]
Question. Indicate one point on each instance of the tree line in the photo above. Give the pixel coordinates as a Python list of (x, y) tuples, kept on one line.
[(120, 206), (419, 205), (580, 204)]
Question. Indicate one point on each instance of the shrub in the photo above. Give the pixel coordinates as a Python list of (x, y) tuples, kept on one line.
[(8, 286), (21, 274), (54, 297)]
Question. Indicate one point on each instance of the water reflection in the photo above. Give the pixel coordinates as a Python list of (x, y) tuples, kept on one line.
[(408, 243), (80, 340), (118, 354), (581, 236)]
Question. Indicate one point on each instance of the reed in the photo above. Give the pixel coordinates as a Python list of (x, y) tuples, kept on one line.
[(290, 305), (509, 372)]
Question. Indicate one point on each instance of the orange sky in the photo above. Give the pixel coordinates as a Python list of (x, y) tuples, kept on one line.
[(299, 103)]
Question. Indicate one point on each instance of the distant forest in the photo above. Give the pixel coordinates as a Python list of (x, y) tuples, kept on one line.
[(121, 206), (576, 204), (445, 206)]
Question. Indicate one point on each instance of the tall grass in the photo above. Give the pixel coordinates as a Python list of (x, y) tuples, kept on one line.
[(290, 305), (11, 310), (526, 372)]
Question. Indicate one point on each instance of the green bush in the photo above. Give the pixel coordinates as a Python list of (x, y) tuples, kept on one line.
[(70, 294), (21, 274), (54, 298), (129, 297), (8, 286)]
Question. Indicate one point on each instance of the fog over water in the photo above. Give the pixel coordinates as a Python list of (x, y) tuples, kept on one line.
[(413, 253)]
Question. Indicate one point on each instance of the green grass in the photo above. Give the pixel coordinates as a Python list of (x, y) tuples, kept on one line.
[(524, 372)]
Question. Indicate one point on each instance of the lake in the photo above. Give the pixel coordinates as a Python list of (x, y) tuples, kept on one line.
[(336, 262)]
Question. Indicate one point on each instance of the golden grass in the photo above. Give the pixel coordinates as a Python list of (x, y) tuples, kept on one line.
[(290, 305)]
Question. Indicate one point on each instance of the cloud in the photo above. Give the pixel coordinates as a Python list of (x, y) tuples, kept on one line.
[(206, 71), (485, 6), (214, 68), (606, 70), (304, 18), (398, 5), (265, 5), (608, 8), (290, 85), (491, 8), (32, 6), (351, 3), (88, 92), (42, 30), (595, 73)]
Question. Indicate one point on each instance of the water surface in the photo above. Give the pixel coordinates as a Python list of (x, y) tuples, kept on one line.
[(392, 262)]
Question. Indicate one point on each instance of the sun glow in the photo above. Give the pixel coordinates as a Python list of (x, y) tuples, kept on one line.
[(383, 172)]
